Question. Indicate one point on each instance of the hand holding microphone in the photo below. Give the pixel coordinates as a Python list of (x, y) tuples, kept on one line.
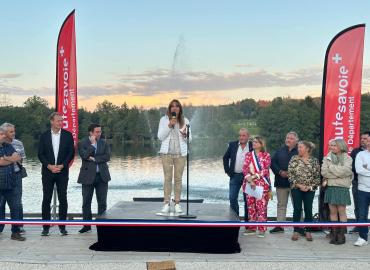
[(173, 120)]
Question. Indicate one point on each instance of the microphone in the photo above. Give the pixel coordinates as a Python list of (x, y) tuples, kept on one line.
[(173, 116)]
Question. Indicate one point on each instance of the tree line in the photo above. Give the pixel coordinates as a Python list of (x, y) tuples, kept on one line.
[(124, 124)]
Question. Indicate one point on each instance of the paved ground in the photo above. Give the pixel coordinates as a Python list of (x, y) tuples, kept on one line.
[(273, 252)]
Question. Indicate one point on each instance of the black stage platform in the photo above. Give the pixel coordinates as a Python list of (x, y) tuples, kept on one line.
[(168, 238)]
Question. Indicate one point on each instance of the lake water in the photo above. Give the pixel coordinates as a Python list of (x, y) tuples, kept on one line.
[(136, 171)]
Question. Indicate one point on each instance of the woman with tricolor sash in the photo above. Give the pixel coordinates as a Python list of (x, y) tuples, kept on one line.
[(257, 185)]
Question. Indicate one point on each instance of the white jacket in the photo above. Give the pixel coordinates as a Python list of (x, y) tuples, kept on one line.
[(362, 164), (164, 136)]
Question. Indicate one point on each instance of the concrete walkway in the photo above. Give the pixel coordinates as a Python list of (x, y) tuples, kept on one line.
[(273, 252)]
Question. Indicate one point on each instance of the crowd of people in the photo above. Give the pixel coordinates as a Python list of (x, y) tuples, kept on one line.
[(56, 152), (298, 175)]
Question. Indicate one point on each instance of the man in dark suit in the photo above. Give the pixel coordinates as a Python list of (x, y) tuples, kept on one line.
[(94, 172), (233, 165), (56, 151), (279, 166)]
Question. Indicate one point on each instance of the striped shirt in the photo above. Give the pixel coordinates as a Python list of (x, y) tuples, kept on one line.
[(18, 146)]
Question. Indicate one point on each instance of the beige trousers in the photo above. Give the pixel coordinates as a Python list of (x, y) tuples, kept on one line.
[(173, 167), (282, 195)]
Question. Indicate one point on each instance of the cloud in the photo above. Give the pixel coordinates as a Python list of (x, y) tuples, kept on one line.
[(244, 66), (9, 75), (162, 80), (166, 81), (19, 91)]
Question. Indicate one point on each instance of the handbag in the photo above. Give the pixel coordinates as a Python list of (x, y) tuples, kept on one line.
[(23, 170)]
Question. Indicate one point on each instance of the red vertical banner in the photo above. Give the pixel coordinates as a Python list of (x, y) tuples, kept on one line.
[(66, 76), (341, 94)]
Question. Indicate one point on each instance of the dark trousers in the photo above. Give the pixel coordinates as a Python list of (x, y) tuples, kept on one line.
[(363, 201), (235, 184), (307, 199), (10, 197), (101, 191), (355, 199), (17, 192), (48, 183)]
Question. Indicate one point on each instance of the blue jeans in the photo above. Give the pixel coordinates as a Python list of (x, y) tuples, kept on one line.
[(235, 184), (363, 201), (355, 198), (17, 193), (9, 197)]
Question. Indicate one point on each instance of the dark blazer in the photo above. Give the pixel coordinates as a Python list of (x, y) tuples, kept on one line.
[(88, 167), (230, 157), (280, 161), (65, 155), (353, 156)]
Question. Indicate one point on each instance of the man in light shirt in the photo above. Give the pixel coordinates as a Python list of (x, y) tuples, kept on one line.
[(233, 161), (354, 153), (56, 151), (362, 165)]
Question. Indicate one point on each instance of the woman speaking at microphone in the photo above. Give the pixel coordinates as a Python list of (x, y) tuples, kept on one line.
[(172, 132)]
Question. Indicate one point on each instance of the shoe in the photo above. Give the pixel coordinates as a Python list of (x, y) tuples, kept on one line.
[(360, 242), (63, 232), (354, 230), (341, 237), (249, 232), (261, 234), (165, 208), (295, 236), (333, 235), (17, 237), (85, 229), (178, 208), (277, 230), (45, 232), (308, 236)]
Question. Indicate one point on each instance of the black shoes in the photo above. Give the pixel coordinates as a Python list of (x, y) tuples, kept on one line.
[(45, 232), (85, 229), (17, 237), (277, 230), (63, 232)]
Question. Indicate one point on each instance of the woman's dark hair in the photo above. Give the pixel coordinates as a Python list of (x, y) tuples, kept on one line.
[(92, 127), (180, 116)]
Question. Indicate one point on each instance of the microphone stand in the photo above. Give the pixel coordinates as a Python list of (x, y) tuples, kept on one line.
[(187, 215)]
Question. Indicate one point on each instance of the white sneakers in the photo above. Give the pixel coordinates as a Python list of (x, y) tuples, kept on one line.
[(360, 242), (165, 208), (178, 208)]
